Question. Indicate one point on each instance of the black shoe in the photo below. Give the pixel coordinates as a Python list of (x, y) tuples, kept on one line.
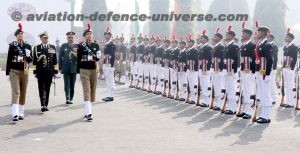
[(203, 105), (144, 89), (229, 112), (181, 99), (88, 117), (263, 120), (283, 105), (108, 99), (164, 95), (68, 102), (46, 109), (120, 83), (43, 109), (288, 106), (21, 118), (241, 114), (131, 86), (157, 93), (273, 102), (216, 108), (247, 116), (15, 118), (192, 102)]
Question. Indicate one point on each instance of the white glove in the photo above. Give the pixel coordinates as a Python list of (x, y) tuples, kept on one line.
[(124, 62), (8, 78), (98, 54), (267, 78), (27, 51)]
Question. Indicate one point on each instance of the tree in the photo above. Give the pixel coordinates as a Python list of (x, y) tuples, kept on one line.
[(227, 7), (272, 15), (159, 7), (90, 7), (180, 27)]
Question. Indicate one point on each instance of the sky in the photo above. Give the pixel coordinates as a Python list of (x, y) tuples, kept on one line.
[(58, 29)]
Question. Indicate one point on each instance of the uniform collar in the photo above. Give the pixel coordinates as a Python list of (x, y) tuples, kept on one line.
[(175, 48), (230, 42), (218, 43), (205, 44), (132, 44), (262, 41), (247, 42), (182, 50), (109, 41), (290, 44)]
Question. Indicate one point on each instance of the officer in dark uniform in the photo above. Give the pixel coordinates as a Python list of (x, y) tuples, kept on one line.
[(18, 59), (205, 58), (68, 66), (192, 57), (247, 51), (46, 68), (273, 73), (88, 54), (231, 60), (108, 67)]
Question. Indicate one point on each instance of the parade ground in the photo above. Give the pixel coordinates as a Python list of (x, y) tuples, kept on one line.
[(137, 122)]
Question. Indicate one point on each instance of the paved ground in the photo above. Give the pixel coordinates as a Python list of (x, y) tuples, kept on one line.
[(137, 122)]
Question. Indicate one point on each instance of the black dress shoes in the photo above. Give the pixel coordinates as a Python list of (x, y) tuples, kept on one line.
[(107, 99)]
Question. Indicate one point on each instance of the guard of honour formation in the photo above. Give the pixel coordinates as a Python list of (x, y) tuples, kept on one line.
[(217, 74)]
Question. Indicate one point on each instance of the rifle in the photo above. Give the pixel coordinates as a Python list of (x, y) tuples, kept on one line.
[(240, 100), (282, 89)]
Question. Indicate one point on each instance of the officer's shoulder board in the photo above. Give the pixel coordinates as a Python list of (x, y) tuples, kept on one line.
[(13, 43)]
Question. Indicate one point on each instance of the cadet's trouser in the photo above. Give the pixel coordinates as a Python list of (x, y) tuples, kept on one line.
[(182, 82), (167, 79), (134, 73), (265, 97), (109, 78), (89, 83), (289, 85), (230, 85), (120, 68), (205, 84), (146, 73), (69, 84), (153, 76), (247, 86), (160, 77), (193, 84), (217, 82), (174, 80)]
